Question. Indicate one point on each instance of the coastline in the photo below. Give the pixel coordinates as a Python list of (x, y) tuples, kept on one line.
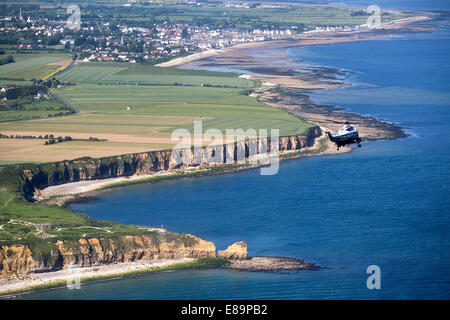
[(71, 192), (60, 278), (299, 40), (87, 190), (327, 117), (286, 83), (72, 277)]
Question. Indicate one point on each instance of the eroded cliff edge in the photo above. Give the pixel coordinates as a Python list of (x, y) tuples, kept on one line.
[(36, 177), (20, 260), (47, 253)]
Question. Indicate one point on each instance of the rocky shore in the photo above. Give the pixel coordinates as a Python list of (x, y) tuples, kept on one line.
[(286, 83), (95, 259), (237, 254), (79, 175), (158, 244), (255, 264), (24, 267), (332, 118)]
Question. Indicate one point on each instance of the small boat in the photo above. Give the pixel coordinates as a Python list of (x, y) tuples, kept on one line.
[(346, 135)]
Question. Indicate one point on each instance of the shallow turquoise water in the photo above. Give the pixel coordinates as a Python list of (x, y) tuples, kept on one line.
[(385, 204)]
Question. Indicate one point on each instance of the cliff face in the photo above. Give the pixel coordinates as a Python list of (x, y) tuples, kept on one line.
[(22, 259), (93, 251), (15, 258), (237, 250), (41, 176)]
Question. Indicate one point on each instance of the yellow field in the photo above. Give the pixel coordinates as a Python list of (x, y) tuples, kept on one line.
[(35, 66), (113, 127), (23, 150)]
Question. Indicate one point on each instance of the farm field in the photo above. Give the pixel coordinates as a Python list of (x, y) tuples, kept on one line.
[(155, 112), (126, 73), (34, 150), (34, 108), (33, 66), (257, 17), (220, 108), (16, 82)]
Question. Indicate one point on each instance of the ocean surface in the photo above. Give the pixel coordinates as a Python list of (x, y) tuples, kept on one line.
[(386, 204)]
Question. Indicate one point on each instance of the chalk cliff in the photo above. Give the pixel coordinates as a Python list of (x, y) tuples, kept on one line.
[(40, 176), (22, 259), (25, 258)]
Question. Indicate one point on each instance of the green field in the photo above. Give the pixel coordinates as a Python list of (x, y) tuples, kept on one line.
[(31, 66), (221, 108), (106, 72), (18, 219), (248, 18), (15, 82), (156, 111), (34, 109)]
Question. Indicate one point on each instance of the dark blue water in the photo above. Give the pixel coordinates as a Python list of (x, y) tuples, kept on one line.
[(387, 203)]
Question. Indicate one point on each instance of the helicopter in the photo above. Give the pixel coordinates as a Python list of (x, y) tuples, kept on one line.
[(346, 135)]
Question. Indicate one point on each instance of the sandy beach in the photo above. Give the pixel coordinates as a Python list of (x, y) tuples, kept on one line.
[(71, 276), (189, 58), (80, 187)]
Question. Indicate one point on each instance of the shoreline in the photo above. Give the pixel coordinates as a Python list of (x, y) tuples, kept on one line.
[(286, 82), (302, 39), (82, 190), (74, 278), (86, 190), (53, 279)]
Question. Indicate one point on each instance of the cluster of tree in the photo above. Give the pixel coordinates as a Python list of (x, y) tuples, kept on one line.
[(6, 60), (22, 91), (60, 114), (50, 83), (246, 92), (47, 136), (8, 39), (202, 85), (58, 140), (12, 105), (54, 140)]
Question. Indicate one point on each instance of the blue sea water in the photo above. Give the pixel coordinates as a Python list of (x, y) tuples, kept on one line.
[(386, 204)]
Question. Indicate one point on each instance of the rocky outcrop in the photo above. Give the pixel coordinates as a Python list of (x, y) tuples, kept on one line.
[(22, 259), (271, 264), (36, 177), (237, 250)]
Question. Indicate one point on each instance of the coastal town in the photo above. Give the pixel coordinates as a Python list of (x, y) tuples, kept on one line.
[(129, 41)]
